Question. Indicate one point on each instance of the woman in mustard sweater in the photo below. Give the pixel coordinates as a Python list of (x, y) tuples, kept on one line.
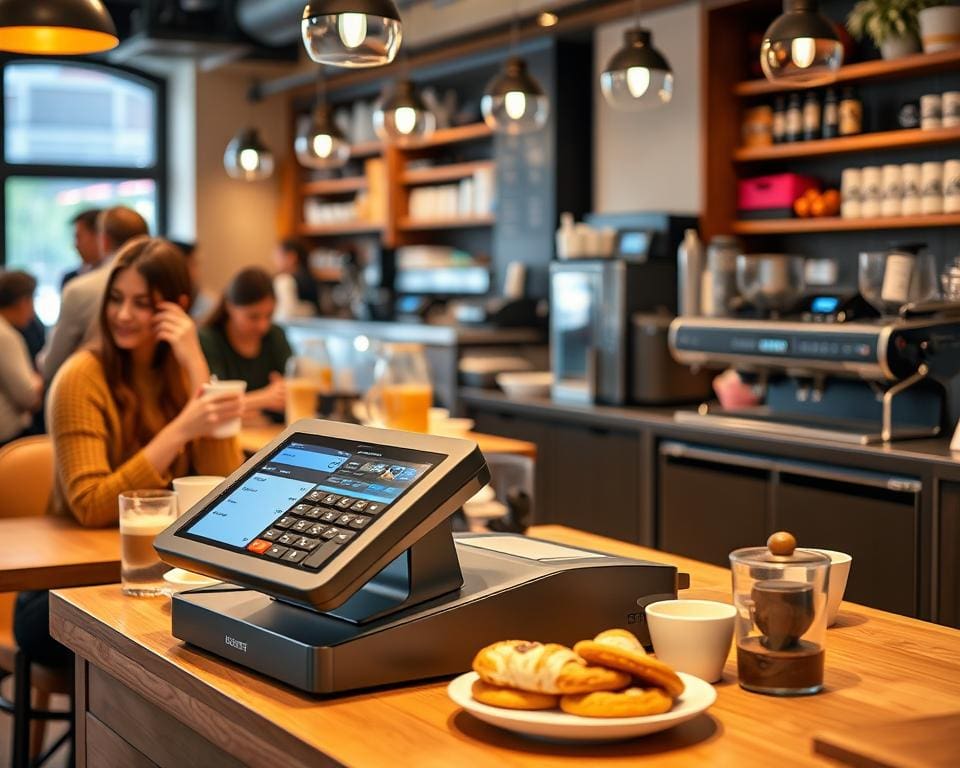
[(127, 413)]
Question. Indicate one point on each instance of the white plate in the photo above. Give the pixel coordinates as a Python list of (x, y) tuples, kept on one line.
[(554, 724), (187, 579)]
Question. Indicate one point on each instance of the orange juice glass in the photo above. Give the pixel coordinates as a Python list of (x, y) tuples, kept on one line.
[(402, 394)]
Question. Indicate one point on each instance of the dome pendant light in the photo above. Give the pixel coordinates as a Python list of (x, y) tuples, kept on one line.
[(321, 145), (801, 46), (247, 158), (56, 27), (513, 102), (637, 76), (351, 33), (401, 116)]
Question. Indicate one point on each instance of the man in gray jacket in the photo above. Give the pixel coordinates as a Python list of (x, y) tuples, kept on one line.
[(20, 387), (83, 295)]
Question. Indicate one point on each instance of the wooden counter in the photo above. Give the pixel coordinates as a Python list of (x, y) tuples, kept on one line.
[(142, 694)]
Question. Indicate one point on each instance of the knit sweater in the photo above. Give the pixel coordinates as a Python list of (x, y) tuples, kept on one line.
[(91, 471)]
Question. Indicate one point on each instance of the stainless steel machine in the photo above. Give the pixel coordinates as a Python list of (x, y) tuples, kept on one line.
[(863, 381)]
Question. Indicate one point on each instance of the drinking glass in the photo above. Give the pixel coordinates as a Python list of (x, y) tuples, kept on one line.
[(144, 514), (401, 395), (308, 375)]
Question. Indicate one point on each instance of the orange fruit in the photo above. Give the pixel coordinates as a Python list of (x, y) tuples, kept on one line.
[(801, 207), (818, 206), (831, 200), (811, 194)]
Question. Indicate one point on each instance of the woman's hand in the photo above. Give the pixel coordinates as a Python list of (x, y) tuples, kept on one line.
[(272, 397), (203, 414), (174, 326)]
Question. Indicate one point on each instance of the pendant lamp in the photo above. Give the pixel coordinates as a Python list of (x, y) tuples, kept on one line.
[(637, 76), (513, 102), (801, 46), (351, 33), (321, 144), (56, 27), (247, 158), (401, 116)]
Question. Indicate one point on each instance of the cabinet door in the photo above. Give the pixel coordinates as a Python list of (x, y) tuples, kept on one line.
[(710, 502), (594, 479), (948, 546), (874, 523)]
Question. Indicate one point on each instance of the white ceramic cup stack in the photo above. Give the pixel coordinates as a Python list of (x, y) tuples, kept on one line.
[(951, 186), (851, 193), (692, 636), (912, 186), (840, 563), (892, 185), (931, 111), (950, 105), (871, 192), (931, 184)]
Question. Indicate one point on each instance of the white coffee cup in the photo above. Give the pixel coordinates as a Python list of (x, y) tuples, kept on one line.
[(931, 184), (191, 489), (951, 186), (692, 636), (213, 389), (850, 193), (912, 188), (871, 191), (892, 185), (951, 108), (931, 111), (840, 563)]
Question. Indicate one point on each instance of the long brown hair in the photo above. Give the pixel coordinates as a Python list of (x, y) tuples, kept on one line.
[(164, 269), (248, 286)]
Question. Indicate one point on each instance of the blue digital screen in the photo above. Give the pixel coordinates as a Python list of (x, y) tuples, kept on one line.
[(824, 305), (634, 243), (773, 346)]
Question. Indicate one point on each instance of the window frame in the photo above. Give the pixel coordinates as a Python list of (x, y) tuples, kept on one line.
[(158, 172)]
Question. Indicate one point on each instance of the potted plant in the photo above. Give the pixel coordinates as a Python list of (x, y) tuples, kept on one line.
[(892, 25), (940, 26)]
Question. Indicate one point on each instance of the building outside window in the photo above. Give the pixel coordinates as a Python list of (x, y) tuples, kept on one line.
[(75, 136)]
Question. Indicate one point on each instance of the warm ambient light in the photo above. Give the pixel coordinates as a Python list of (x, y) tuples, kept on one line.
[(323, 145), (319, 143), (547, 19), (803, 50), (351, 33), (637, 76), (247, 158), (406, 120), (801, 46), (513, 102), (352, 28), (56, 27), (638, 80), (402, 116)]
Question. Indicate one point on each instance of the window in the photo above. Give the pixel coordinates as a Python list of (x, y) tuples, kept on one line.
[(75, 136)]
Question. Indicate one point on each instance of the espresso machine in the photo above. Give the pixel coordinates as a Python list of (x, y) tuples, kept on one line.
[(865, 380)]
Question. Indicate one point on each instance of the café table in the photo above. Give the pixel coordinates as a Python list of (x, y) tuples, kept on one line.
[(253, 438), (50, 551), (146, 698)]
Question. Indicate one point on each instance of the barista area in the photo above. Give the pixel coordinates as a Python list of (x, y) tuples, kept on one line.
[(692, 382)]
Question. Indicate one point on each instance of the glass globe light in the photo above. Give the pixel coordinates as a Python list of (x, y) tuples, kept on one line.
[(320, 144), (351, 33), (637, 76), (65, 27), (513, 102), (402, 117), (247, 157), (801, 46)]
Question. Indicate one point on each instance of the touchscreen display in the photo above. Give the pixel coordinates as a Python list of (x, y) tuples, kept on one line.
[(310, 490)]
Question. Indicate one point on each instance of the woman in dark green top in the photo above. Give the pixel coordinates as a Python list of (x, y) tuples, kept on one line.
[(240, 341)]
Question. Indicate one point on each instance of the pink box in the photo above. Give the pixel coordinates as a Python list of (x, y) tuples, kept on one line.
[(776, 191)]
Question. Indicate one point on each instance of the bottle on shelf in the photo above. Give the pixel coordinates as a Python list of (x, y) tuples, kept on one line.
[(831, 115), (794, 121), (779, 120), (811, 117), (851, 112), (690, 277)]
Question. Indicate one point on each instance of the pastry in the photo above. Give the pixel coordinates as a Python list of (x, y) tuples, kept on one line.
[(610, 649), (633, 702), (511, 698), (543, 668)]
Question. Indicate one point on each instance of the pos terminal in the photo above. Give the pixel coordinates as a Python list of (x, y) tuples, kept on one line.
[(341, 571)]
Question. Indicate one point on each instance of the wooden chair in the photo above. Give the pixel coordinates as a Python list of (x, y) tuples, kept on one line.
[(26, 483)]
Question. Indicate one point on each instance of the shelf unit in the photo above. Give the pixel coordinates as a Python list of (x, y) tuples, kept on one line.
[(440, 173), (335, 186), (340, 228), (408, 224), (866, 142), (836, 224)]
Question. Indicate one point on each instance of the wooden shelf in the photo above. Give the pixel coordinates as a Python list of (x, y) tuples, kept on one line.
[(866, 142), (366, 149), (836, 224), (335, 186), (908, 66), (460, 133), (341, 228), (407, 223), (444, 172)]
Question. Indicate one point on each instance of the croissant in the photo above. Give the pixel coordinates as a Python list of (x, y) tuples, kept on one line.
[(543, 668)]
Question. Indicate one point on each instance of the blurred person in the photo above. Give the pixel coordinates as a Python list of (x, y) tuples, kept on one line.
[(241, 342), (126, 412), (21, 388), (293, 285), (87, 243), (203, 301), (83, 295)]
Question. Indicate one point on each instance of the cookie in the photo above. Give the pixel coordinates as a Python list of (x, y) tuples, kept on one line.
[(609, 650), (633, 702), (511, 698), (543, 668)]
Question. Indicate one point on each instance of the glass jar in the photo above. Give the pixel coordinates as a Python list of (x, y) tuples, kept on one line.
[(401, 395), (308, 375), (720, 277), (780, 594)]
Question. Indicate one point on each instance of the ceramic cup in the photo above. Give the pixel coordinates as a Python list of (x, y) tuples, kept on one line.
[(191, 489), (871, 191), (931, 181), (950, 102), (840, 563), (892, 184), (931, 111), (213, 389), (850, 193), (692, 636), (951, 186), (912, 185)]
